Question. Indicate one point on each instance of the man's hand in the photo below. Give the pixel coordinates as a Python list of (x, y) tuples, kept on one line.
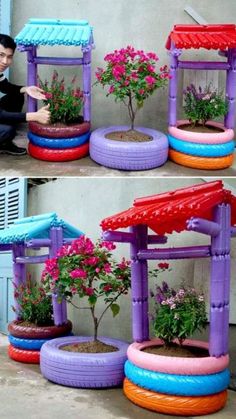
[(34, 92), (42, 115)]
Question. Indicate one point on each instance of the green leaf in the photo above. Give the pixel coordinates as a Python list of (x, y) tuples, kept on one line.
[(92, 300), (115, 308)]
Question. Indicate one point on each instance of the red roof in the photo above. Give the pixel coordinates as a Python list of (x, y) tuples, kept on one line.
[(203, 36), (168, 212)]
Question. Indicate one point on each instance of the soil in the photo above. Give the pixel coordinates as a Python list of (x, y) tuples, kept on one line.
[(178, 351), (29, 324), (208, 129), (129, 136), (79, 120), (90, 347)]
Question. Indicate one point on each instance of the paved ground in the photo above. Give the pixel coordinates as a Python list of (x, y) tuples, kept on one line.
[(27, 166), (24, 393)]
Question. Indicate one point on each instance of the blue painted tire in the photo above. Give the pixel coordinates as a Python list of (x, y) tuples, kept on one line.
[(179, 385), (59, 143), (205, 150), (32, 344)]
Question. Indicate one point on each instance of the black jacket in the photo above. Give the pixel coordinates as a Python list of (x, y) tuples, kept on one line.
[(10, 89)]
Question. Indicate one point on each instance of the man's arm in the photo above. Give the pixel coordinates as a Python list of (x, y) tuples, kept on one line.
[(7, 87)]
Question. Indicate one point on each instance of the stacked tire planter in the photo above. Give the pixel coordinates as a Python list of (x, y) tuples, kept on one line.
[(58, 144), (86, 370), (128, 155), (173, 385), (26, 341), (201, 150)]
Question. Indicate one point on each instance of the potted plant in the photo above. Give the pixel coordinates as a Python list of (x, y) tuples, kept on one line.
[(207, 144), (88, 271), (35, 322), (172, 374), (67, 134), (132, 77)]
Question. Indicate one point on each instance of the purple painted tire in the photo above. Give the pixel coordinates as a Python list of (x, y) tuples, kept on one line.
[(51, 131), (128, 155), (81, 369)]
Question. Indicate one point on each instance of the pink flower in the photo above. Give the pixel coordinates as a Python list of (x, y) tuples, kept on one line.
[(107, 267), (118, 71), (111, 89), (78, 273), (150, 68), (124, 264), (91, 261), (89, 291), (141, 91), (97, 270), (107, 288), (150, 80), (163, 265), (108, 245)]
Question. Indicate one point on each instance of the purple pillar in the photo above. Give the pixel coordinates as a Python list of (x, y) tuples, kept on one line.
[(31, 76), (231, 88), (87, 82), (173, 85), (143, 237), (19, 270), (59, 309), (219, 288)]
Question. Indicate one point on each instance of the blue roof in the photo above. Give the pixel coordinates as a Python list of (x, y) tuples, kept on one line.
[(55, 32), (36, 227)]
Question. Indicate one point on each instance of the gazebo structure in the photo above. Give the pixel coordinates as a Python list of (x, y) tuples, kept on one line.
[(210, 37), (208, 209)]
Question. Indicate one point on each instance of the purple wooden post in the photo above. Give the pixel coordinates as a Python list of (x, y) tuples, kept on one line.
[(59, 309), (231, 89), (227, 237), (143, 236), (19, 271), (220, 273), (87, 82), (173, 85), (31, 77)]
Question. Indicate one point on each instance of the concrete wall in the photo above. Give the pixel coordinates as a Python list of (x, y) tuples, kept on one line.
[(85, 202), (142, 23)]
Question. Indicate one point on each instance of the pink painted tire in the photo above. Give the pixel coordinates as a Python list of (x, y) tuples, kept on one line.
[(51, 131), (202, 138), (175, 365), (58, 155)]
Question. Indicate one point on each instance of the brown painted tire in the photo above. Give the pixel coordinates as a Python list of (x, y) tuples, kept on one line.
[(174, 405), (23, 355), (209, 163), (50, 131), (38, 332), (58, 155)]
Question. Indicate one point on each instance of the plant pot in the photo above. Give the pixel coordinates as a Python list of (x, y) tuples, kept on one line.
[(128, 155), (201, 150), (175, 385), (58, 142), (87, 370)]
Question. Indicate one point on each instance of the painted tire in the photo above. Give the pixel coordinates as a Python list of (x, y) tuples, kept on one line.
[(209, 163), (175, 365), (128, 155), (174, 405), (58, 142), (205, 150), (179, 385), (81, 369), (204, 138), (38, 332), (22, 355), (32, 344), (58, 155), (51, 131)]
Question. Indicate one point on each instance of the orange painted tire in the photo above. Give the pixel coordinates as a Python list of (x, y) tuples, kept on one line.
[(209, 163), (23, 355), (174, 405), (58, 155)]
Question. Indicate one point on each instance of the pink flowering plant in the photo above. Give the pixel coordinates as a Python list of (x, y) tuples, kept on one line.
[(201, 105), (178, 313), (65, 103), (88, 270), (132, 77)]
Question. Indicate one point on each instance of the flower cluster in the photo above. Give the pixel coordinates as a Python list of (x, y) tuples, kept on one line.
[(178, 313), (87, 269), (203, 105), (132, 76), (65, 103), (34, 305)]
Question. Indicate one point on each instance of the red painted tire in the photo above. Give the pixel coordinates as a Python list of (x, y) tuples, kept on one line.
[(209, 163), (23, 355), (174, 405), (174, 365), (57, 155), (50, 131), (38, 332)]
